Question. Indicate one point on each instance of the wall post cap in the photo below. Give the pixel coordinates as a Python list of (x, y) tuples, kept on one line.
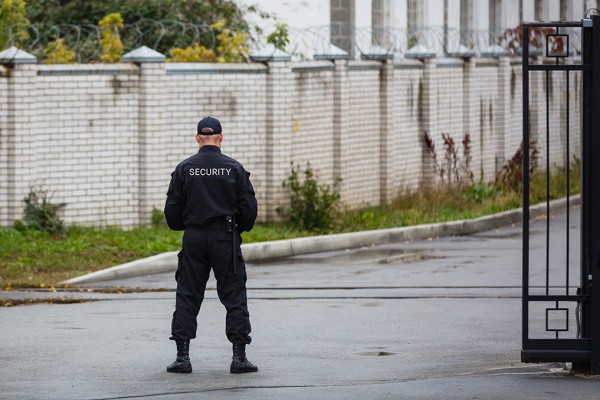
[(144, 54), (270, 53), (13, 55)]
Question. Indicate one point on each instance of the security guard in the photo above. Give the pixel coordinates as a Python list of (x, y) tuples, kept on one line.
[(211, 198)]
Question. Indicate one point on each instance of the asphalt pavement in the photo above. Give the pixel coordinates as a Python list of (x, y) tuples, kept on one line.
[(438, 318)]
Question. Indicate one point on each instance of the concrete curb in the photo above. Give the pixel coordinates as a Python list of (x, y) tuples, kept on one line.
[(253, 252)]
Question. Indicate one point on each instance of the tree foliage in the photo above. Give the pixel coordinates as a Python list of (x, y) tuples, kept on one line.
[(280, 37), (13, 23), (232, 45), (57, 52), (194, 53), (55, 12), (112, 47), (235, 32)]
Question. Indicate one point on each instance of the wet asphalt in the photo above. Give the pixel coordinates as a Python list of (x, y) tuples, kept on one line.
[(437, 318)]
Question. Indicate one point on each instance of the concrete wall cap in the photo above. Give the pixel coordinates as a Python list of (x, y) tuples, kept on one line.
[(330, 52), (13, 55), (309, 66), (214, 68), (447, 62), (270, 53), (461, 51), (377, 53), (494, 51), (419, 52)]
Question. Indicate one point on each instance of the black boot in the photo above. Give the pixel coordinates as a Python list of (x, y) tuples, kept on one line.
[(182, 363), (240, 363)]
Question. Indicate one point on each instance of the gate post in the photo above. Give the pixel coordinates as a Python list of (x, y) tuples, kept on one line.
[(591, 187)]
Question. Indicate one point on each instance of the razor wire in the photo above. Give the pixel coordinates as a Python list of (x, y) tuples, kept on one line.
[(450, 42), (164, 35), (84, 40)]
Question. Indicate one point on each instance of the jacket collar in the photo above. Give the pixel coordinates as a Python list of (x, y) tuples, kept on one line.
[(209, 148)]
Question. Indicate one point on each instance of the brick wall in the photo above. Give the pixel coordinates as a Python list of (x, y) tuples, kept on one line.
[(312, 115), (105, 138), (360, 161), (4, 164), (408, 115), (86, 141)]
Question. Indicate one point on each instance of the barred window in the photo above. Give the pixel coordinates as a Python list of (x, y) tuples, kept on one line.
[(377, 21), (564, 10), (466, 22), (495, 21), (414, 14), (539, 10)]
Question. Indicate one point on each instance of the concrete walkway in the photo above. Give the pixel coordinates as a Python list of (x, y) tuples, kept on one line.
[(415, 319)]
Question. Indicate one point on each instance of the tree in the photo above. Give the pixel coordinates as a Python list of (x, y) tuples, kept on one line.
[(112, 47), (197, 12), (280, 36), (13, 23)]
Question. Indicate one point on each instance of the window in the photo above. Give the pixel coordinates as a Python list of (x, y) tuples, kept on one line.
[(466, 22), (564, 8), (539, 10), (494, 21), (414, 22), (414, 15), (377, 22), (342, 25)]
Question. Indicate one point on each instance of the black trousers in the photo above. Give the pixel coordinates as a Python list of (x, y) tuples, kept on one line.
[(205, 249)]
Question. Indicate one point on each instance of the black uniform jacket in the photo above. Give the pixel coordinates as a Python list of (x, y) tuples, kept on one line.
[(207, 187)]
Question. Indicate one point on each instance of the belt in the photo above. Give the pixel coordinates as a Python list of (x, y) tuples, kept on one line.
[(214, 225)]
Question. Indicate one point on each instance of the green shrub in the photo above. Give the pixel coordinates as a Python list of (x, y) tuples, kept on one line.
[(280, 36), (313, 206), (158, 218), (478, 192), (39, 213), (57, 52)]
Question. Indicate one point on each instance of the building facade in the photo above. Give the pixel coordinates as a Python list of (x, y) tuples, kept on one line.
[(439, 25)]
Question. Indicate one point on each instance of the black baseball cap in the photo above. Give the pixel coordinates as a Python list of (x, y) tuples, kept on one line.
[(209, 126)]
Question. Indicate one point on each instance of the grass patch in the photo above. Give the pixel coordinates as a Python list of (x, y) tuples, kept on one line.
[(30, 258)]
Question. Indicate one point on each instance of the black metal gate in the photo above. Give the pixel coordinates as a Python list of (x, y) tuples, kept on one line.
[(561, 306)]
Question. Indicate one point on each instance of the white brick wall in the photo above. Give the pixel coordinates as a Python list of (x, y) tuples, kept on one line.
[(408, 99), (87, 142), (312, 115), (360, 144), (105, 138), (4, 199)]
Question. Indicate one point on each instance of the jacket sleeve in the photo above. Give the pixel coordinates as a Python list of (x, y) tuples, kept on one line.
[(175, 203), (247, 206)]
